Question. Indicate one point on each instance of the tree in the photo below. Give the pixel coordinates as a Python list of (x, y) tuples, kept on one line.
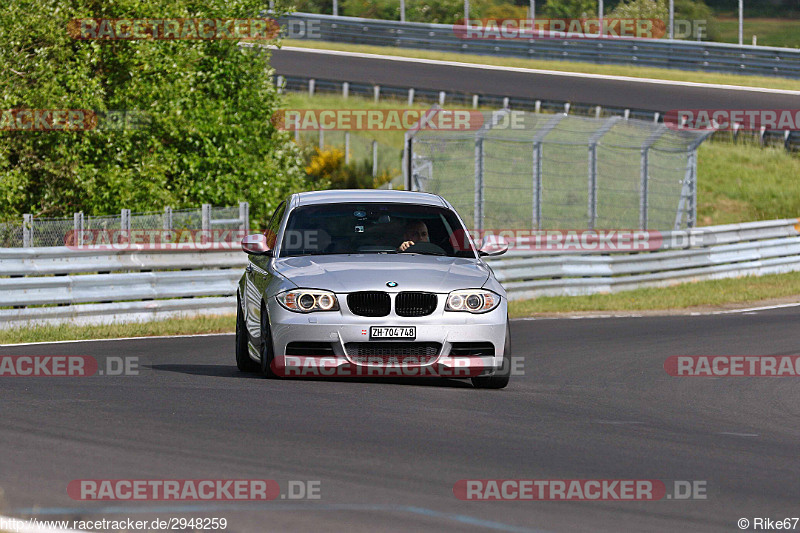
[(203, 131)]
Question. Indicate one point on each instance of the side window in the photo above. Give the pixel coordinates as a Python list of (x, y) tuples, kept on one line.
[(274, 225)]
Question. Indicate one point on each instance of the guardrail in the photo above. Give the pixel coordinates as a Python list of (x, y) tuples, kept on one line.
[(714, 252), (685, 55), (58, 284)]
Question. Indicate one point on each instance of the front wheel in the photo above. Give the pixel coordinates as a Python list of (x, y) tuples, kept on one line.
[(500, 378), (243, 360), (266, 350)]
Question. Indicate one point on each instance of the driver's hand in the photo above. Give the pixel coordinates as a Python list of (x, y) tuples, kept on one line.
[(403, 247)]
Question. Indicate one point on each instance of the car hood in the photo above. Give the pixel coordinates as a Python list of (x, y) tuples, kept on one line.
[(371, 272)]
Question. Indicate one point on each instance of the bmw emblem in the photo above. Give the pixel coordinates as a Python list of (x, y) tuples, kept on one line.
[(391, 284)]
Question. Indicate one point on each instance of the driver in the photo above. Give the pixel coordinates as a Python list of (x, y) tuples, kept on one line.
[(416, 231)]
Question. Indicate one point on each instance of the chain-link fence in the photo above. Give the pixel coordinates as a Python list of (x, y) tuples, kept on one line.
[(540, 171), (33, 231)]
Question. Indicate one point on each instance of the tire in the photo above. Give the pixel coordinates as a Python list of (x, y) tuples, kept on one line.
[(266, 350), (243, 360), (500, 378)]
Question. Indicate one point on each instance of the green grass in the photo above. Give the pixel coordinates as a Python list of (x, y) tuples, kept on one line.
[(748, 289), (173, 326), (770, 31), (744, 182), (562, 66)]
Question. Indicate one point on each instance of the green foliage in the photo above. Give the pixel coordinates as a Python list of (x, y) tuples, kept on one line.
[(570, 8), (327, 167), (641, 9), (207, 136)]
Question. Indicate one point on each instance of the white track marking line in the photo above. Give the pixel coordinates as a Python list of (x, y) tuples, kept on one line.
[(630, 79)]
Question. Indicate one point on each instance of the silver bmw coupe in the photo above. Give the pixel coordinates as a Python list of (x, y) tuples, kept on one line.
[(371, 283)]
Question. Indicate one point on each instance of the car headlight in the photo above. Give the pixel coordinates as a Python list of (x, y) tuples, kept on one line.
[(472, 301), (308, 300)]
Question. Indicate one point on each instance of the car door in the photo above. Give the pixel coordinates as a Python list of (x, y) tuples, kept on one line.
[(258, 276)]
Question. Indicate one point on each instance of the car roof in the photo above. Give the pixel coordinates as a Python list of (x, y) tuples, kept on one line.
[(368, 195)]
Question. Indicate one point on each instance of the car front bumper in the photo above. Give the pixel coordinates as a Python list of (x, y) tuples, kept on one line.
[(445, 334)]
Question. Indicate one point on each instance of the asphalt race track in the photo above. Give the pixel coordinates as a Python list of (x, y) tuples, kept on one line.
[(595, 403), (604, 92)]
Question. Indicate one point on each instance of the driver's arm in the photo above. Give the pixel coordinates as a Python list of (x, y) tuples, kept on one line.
[(407, 244)]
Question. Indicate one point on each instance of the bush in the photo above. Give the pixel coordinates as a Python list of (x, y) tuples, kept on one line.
[(328, 169), (207, 136)]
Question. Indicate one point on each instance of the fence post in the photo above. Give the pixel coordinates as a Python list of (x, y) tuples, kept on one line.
[(321, 139), (77, 226), (27, 230), (643, 199), (244, 216), (693, 210), (345, 90), (167, 218), (377, 92), (346, 147), (537, 184), (592, 214), (474, 101), (280, 84), (478, 207), (205, 213), (125, 220), (411, 97), (374, 159), (311, 84), (441, 97)]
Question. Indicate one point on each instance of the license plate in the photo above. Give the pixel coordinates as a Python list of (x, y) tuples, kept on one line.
[(384, 332)]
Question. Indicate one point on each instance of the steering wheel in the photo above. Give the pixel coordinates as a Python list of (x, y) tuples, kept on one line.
[(425, 248)]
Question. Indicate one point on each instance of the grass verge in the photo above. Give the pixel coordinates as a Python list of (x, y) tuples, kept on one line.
[(562, 66), (748, 289), (172, 326)]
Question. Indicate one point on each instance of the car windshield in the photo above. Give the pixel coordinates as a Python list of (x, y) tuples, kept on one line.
[(377, 228)]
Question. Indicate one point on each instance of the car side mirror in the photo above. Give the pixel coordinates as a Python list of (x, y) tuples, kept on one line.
[(492, 246), (256, 244)]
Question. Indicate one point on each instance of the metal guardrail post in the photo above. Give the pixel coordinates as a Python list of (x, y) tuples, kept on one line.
[(442, 95), (321, 139), (376, 89), (205, 214), (347, 147), (311, 83), (244, 216), (27, 230), (345, 90), (411, 97), (167, 218), (693, 198), (280, 84)]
